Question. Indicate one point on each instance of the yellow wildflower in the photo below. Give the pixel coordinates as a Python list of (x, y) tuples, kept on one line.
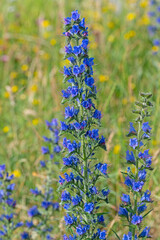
[(111, 24), (103, 78), (133, 169), (53, 41), (46, 35), (129, 34), (104, 9), (34, 88), (35, 121), (45, 23), (35, 101), (155, 49), (24, 67), (6, 129), (133, 85), (144, 20), (6, 94), (116, 149), (13, 75), (132, 99), (154, 142), (111, 38), (131, 16), (16, 173), (14, 88), (124, 101), (143, 3), (45, 56)]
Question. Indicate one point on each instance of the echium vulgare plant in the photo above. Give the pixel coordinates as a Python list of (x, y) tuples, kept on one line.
[(42, 214), (80, 196), (134, 206), (8, 215), (154, 27)]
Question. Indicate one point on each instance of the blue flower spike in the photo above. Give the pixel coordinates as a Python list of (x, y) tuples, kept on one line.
[(8, 217), (41, 215), (80, 195), (135, 203)]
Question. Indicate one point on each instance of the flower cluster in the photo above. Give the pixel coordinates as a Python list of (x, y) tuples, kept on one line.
[(81, 197), (8, 217), (41, 215), (135, 203), (154, 27)]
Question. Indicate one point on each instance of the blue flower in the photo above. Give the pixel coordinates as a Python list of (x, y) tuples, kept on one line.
[(70, 220), (146, 196), (105, 192), (82, 23), (132, 130), (33, 211), (87, 104), (125, 198), (66, 94), (145, 233), (76, 70), (130, 157), (75, 29), (45, 204), (61, 180), (133, 142), (97, 114), (74, 91), (103, 168), (85, 43), (88, 207), (67, 21), (142, 174), (123, 212), (65, 196), (2, 168), (136, 220), (141, 208), (77, 50), (102, 235), (57, 149), (70, 112), (45, 150), (35, 191), (76, 200), (128, 182), (75, 15), (89, 81), (82, 229), (68, 49), (93, 190), (156, 42), (100, 218), (145, 127), (25, 235), (67, 71), (137, 186), (127, 237)]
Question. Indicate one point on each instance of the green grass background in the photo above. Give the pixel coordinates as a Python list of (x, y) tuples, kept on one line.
[(31, 84)]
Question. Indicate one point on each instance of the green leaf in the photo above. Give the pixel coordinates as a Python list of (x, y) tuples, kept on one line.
[(147, 95), (147, 213), (115, 234)]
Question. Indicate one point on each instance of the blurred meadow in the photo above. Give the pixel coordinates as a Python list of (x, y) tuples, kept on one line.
[(31, 74)]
